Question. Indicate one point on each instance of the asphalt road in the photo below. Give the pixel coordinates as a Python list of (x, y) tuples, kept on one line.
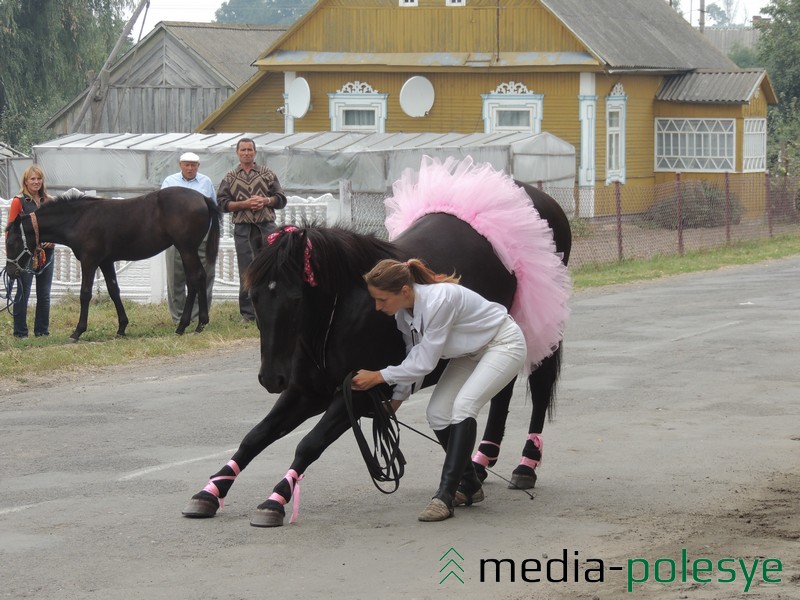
[(678, 428)]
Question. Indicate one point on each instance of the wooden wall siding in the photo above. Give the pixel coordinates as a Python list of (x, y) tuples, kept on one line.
[(757, 109), (153, 110), (164, 62), (458, 106), (256, 111), (432, 27)]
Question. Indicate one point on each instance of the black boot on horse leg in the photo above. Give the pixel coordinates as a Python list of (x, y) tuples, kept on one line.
[(542, 383), (524, 476), (211, 498), (271, 512), (457, 457)]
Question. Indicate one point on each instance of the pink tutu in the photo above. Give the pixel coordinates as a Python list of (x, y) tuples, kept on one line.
[(502, 212)]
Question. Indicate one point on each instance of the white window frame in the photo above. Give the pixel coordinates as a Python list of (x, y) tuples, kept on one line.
[(455, 2), (357, 95), (409, 3), (700, 145), (616, 102), (512, 96), (754, 152)]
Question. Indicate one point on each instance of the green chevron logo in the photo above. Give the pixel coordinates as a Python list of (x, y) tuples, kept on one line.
[(451, 567)]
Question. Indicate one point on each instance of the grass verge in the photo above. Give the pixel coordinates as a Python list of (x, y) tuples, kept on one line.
[(151, 332)]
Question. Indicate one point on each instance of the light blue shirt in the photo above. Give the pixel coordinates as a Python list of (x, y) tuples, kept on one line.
[(201, 183)]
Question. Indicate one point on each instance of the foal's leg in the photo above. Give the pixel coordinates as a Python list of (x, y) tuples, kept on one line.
[(543, 386), (291, 409), (196, 288), (330, 427), (110, 274), (87, 280)]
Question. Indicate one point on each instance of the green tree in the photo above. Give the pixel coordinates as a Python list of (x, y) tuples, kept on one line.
[(779, 51), (779, 46), (718, 15), (47, 47), (744, 57), (262, 12)]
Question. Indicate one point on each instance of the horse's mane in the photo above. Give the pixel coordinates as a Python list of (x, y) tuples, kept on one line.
[(339, 256)]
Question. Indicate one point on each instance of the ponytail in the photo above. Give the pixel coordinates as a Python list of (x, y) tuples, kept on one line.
[(391, 275)]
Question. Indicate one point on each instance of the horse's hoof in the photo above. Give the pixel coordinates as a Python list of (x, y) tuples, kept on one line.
[(72, 340), (481, 472), (200, 327), (522, 481), (262, 517), (199, 508)]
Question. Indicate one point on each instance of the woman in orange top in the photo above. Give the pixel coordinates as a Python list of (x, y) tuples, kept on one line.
[(31, 195)]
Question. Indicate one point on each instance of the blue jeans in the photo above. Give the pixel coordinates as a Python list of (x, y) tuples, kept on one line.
[(44, 281)]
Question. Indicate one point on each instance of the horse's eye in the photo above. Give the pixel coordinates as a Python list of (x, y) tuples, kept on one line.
[(272, 285)]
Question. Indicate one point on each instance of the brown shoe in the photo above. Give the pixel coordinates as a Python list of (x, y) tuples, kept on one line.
[(436, 510), (462, 499)]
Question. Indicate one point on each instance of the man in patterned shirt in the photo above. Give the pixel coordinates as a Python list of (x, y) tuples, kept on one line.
[(251, 193)]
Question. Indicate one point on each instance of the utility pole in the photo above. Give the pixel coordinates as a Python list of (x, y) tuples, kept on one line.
[(104, 72), (701, 19)]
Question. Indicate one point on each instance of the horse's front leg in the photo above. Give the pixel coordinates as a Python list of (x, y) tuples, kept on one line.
[(112, 285), (330, 427), (87, 281), (291, 409), (196, 289)]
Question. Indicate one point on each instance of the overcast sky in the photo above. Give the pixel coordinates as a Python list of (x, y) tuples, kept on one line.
[(202, 11)]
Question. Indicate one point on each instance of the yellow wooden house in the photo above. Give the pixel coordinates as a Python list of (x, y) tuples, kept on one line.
[(638, 92)]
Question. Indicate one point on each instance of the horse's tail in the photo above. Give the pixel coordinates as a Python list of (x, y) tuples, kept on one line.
[(543, 384), (212, 244)]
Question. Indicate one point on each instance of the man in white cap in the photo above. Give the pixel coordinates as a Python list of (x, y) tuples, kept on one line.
[(188, 177)]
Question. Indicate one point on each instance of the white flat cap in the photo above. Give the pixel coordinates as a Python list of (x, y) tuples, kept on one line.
[(189, 157)]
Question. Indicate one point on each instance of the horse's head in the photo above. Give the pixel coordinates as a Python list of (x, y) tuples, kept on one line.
[(278, 281), (19, 247)]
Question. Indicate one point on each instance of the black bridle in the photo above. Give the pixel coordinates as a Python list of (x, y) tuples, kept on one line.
[(24, 252)]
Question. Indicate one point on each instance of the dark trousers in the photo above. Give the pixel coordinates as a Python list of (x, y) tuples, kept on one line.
[(41, 323), (249, 239)]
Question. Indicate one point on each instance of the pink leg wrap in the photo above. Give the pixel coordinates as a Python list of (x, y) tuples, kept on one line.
[(294, 486), (536, 438), (212, 488), (481, 458)]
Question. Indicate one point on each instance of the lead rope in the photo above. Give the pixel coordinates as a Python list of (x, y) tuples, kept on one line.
[(385, 462), (386, 438)]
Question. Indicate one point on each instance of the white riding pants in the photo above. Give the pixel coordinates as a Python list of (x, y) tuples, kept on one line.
[(469, 382)]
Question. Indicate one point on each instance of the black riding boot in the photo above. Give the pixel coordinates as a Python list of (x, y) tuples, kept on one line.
[(470, 490), (458, 455)]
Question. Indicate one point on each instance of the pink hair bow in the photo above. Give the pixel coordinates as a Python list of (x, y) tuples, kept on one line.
[(308, 272)]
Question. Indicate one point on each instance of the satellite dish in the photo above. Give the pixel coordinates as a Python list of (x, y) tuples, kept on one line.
[(416, 96), (298, 98)]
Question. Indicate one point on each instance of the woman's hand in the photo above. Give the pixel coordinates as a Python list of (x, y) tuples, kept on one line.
[(364, 380)]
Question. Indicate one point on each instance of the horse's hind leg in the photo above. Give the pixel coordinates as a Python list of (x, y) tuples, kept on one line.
[(543, 386), (196, 289), (289, 411), (489, 448), (87, 280), (110, 274)]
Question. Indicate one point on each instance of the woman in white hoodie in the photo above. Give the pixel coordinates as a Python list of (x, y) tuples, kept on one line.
[(440, 319)]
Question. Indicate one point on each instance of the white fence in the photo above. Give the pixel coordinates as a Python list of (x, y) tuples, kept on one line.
[(145, 281)]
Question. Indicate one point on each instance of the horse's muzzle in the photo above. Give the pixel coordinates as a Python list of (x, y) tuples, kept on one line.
[(273, 383)]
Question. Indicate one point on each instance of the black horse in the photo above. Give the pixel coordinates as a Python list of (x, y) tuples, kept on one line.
[(100, 231), (318, 323)]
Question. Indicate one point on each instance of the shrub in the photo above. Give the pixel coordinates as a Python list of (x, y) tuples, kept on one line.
[(703, 206)]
